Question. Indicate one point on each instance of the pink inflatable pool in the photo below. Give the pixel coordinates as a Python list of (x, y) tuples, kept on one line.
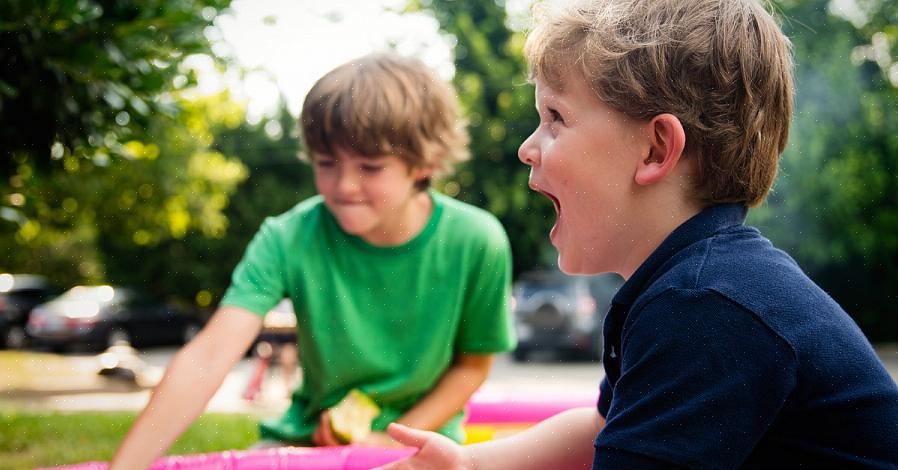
[(489, 416), (284, 458), (492, 408)]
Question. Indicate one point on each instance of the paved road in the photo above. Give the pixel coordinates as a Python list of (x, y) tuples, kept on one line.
[(542, 377)]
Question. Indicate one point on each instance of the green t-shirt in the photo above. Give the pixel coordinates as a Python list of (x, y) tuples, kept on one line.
[(386, 320)]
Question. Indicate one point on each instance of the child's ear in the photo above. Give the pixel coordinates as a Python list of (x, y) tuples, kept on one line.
[(422, 172), (667, 141)]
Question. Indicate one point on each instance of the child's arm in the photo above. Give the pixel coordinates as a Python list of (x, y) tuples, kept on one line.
[(562, 441), (451, 392), (448, 396), (191, 379)]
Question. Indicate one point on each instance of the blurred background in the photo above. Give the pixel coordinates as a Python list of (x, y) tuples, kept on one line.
[(143, 142)]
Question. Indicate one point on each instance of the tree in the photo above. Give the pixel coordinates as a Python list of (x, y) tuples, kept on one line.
[(277, 181), (491, 79), (262, 177), (97, 150), (105, 216), (158, 217), (834, 203), (80, 78)]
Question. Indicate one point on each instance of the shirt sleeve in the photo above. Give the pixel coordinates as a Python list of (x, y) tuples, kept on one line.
[(486, 323), (257, 283), (701, 381)]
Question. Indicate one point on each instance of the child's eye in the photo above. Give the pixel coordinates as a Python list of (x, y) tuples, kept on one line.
[(371, 168), (555, 116), (324, 163)]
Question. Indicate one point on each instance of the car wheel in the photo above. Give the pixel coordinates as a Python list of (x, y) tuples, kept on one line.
[(118, 335), (15, 338), (190, 332)]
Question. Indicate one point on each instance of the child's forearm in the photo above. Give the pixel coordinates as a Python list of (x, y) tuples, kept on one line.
[(168, 413), (450, 394), (191, 379), (562, 441)]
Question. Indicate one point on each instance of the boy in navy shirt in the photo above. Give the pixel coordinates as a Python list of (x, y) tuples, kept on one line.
[(661, 123)]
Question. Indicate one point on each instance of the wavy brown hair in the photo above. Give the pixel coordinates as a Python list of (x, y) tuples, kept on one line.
[(723, 67), (385, 104)]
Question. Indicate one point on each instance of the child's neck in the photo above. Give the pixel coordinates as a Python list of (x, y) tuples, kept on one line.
[(659, 221), (406, 225)]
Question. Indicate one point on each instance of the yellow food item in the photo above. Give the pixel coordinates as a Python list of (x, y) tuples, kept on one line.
[(351, 418)]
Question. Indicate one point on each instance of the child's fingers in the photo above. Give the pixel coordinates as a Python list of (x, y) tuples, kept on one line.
[(324, 433), (317, 436), (408, 436)]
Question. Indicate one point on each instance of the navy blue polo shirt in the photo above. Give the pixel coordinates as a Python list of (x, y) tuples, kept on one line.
[(721, 353)]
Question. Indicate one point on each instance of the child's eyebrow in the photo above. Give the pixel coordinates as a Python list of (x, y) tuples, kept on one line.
[(555, 103), (543, 101)]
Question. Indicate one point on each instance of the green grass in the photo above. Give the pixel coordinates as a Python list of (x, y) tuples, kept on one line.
[(31, 439)]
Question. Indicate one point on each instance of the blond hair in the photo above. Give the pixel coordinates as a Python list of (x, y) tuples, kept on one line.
[(385, 104), (723, 67)]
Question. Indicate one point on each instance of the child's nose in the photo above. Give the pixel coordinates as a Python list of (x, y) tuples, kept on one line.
[(528, 152), (347, 182)]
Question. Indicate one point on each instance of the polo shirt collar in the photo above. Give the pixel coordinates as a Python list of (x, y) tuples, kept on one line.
[(700, 226)]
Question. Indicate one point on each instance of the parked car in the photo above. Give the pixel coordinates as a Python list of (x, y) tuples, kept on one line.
[(101, 316), (560, 313), (19, 293)]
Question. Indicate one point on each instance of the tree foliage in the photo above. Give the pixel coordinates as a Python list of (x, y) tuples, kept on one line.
[(834, 206), (111, 172), (835, 203), (199, 267), (85, 219), (98, 143), (81, 77), (491, 79)]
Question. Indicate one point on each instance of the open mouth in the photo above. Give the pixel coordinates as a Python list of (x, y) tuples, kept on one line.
[(553, 199), (549, 195)]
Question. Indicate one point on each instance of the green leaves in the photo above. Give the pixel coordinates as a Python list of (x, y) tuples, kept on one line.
[(99, 148), (835, 203), (491, 79)]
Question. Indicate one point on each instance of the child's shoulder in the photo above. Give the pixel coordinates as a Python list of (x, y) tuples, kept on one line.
[(748, 270), (305, 216), (467, 218), (308, 207), (459, 209)]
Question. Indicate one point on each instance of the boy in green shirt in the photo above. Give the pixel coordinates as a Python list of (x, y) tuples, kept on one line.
[(399, 291)]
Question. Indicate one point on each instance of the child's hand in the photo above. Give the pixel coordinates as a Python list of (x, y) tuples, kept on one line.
[(379, 439), (323, 435), (435, 451)]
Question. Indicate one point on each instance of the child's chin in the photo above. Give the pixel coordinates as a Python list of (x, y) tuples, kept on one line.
[(574, 267), (567, 266), (353, 227)]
